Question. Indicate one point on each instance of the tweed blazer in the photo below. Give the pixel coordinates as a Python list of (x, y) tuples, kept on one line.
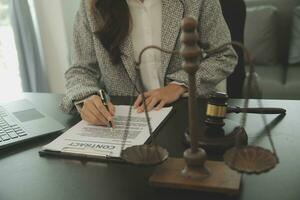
[(92, 68)]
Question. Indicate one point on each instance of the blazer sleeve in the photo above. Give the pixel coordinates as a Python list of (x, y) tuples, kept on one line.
[(82, 78), (213, 30)]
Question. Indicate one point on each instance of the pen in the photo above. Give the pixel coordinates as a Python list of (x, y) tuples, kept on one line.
[(104, 101)]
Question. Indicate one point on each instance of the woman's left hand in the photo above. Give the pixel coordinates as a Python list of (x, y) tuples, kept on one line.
[(157, 99)]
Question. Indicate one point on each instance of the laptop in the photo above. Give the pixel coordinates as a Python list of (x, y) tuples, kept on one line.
[(21, 121)]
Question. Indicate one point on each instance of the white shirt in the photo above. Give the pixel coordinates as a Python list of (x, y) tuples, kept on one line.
[(146, 30)]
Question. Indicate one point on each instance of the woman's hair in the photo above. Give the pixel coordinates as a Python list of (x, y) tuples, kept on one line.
[(116, 17)]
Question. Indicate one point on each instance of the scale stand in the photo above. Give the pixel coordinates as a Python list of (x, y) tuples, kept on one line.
[(194, 172)]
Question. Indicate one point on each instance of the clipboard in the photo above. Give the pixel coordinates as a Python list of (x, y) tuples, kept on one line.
[(80, 157), (104, 158)]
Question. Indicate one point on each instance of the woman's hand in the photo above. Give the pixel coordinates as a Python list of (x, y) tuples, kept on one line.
[(95, 113), (157, 99)]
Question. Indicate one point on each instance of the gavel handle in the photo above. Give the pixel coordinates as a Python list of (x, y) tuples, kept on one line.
[(256, 110)]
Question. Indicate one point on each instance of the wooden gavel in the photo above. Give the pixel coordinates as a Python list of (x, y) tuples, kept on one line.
[(217, 109)]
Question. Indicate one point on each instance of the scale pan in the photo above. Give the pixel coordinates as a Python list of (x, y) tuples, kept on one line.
[(250, 159), (145, 155)]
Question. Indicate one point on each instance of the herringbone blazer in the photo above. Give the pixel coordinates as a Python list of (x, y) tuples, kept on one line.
[(92, 68)]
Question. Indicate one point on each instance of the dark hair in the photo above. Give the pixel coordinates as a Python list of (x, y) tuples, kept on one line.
[(116, 17)]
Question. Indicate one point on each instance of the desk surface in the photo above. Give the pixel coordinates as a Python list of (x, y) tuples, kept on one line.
[(26, 176)]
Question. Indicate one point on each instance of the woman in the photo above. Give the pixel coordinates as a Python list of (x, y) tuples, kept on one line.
[(108, 36)]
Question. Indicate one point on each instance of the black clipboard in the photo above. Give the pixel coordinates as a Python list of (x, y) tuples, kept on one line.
[(80, 157), (108, 159)]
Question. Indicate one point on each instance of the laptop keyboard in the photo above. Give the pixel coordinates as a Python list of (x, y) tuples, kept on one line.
[(9, 131)]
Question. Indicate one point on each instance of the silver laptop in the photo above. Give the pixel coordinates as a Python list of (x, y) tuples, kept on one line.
[(21, 121)]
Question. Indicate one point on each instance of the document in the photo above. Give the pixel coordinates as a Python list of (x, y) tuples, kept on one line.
[(98, 141)]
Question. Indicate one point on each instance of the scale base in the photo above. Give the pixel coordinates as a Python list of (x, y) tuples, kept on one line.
[(221, 179)]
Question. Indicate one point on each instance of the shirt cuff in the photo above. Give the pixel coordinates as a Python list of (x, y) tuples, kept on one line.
[(178, 83), (79, 104)]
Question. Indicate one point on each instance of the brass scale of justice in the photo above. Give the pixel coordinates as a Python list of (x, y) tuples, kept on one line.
[(238, 158)]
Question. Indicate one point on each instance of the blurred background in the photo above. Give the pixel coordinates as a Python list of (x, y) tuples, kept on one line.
[(36, 43)]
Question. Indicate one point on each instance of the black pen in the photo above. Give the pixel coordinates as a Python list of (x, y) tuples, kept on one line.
[(105, 103)]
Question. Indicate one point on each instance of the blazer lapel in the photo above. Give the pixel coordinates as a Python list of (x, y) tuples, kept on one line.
[(172, 13), (126, 49), (127, 57)]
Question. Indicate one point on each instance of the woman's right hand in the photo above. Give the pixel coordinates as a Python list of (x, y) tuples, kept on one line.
[(95, 113)]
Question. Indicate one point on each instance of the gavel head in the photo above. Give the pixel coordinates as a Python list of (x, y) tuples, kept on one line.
[(216, 109)]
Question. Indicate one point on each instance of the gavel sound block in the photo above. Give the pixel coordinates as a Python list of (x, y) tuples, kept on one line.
[(219, 133)]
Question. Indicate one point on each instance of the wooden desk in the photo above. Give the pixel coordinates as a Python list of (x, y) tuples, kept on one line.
[(26, 176)]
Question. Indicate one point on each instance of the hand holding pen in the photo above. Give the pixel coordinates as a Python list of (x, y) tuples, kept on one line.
[(97, 110), (105, 103)]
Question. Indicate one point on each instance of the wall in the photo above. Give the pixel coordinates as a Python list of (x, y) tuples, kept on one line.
[(69, 8), (54, 20)]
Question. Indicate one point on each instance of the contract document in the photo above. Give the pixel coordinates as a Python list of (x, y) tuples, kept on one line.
[(88, 140)]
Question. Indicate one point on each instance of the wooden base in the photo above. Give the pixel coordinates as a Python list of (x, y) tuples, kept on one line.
[(221, 179)]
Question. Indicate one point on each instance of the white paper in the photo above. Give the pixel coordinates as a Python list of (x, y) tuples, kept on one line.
[(98, 141)]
